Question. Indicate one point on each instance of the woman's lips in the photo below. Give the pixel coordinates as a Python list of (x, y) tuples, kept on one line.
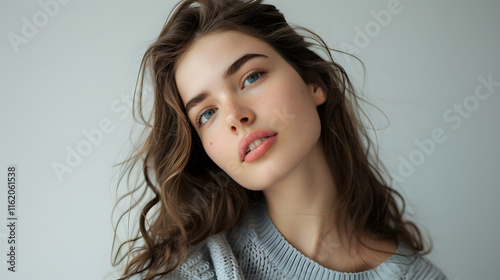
[(260, 149)]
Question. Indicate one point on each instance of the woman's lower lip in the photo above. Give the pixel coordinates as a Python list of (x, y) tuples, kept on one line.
[(260, 150)]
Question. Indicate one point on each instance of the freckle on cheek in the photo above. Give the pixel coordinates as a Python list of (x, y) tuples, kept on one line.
[(211, 143)]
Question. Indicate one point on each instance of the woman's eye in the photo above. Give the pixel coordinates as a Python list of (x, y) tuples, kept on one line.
[(252, 78), (205, 116)]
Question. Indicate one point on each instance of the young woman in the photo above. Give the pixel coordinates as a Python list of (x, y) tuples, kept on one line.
[(257, 160)]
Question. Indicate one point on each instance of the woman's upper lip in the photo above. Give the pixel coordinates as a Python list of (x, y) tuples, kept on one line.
[(250, 137)]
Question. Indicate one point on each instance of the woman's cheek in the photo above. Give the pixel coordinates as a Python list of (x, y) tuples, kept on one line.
[(215, 149), (210, 149)]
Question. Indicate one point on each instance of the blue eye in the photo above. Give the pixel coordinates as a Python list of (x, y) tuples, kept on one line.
[(206, 115), (252, 78)]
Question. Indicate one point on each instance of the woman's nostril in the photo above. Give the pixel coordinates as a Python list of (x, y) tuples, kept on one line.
[(244, 119)]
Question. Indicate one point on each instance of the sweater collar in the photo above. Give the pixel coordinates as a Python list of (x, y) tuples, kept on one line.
[(296, 265)]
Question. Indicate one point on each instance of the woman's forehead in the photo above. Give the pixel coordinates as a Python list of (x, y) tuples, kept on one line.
[(216, 48)]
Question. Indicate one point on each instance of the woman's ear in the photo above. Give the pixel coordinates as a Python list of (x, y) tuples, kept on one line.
[(319, 95)]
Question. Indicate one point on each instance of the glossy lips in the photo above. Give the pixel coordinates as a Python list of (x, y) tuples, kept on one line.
[(260, 148)]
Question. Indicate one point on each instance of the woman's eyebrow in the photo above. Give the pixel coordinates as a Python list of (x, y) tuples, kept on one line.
[(233, 68), (195, 100), (240, 62)]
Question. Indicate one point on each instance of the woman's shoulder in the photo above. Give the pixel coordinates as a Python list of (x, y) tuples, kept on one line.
[(214, 258), (198, 265), (410, 265)]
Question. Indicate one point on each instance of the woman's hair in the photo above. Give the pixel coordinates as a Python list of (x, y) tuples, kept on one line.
[(192, 197)]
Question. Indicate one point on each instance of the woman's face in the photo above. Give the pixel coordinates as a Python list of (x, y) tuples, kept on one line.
[(254, 114)]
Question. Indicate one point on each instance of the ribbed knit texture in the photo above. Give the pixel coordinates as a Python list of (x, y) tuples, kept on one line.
[(257, 250)]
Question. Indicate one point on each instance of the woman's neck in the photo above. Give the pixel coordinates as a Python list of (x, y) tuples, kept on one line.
[(302, 207), (301, 204)]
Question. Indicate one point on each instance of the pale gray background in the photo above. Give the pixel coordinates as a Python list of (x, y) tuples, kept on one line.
[(73, 73)]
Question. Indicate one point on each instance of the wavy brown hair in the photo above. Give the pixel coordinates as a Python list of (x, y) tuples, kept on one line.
[(192, 198)]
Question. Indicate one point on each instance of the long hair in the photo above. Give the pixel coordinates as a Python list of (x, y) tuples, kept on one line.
[(192, 197)]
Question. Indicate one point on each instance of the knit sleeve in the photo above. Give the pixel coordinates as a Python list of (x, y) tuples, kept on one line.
[(213, 259), (197, 266), (224, 261)]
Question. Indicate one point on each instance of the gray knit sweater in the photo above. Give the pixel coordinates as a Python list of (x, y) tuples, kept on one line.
[(257, 250)]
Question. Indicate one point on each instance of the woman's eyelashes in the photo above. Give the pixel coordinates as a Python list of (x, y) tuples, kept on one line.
[(252, 77), (205, 115)]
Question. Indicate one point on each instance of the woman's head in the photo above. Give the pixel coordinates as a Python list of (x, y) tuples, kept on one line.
[(278, 88), (238, 90)]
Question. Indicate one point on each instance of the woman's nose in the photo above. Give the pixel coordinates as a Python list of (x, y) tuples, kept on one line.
[(237, 114)]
